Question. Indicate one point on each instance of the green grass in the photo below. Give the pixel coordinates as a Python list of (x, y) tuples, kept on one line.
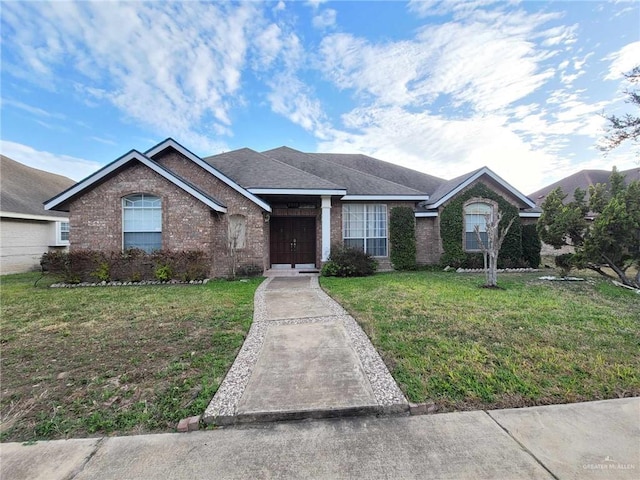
[(114, 360), (532, 342)]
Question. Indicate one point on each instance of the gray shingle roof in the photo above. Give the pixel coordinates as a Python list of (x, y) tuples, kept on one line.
[(356, 182), (448, 185), (581, 179), (255, 170), (24, 189), (394, 173)]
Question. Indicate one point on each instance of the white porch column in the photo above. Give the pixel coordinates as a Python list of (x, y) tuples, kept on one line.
[(326, 227)]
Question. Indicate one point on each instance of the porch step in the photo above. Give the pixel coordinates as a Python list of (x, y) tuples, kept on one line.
[(290, 272)]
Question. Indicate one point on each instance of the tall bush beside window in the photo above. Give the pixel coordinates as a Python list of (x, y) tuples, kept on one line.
[(531, 245), (402, 235), (142, 222)]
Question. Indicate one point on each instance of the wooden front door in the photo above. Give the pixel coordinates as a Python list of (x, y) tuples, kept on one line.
[(293, 240)]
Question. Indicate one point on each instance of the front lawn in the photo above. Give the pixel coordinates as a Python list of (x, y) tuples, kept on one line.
[(532, 343), (114, 360)]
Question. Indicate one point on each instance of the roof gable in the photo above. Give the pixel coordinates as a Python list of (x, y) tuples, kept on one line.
[(171, 143), (451, 188), (58, 202)]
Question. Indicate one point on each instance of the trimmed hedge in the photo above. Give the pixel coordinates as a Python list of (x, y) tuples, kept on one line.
[(402, 235), (452, 224), (531, 246), (349, 262), (129, 266)]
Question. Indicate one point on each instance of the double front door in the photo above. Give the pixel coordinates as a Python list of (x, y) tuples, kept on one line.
[(293, 241)]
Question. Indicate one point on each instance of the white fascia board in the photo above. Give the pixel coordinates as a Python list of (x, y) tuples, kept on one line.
[(28, 216), (133, 155), (530, 214), (186, 187), (426, 214), (90, 180), (473, 178), (170, 142), (415, 198), (295, 191)]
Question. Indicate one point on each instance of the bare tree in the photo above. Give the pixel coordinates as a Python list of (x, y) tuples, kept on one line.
[(490, 251), (236, 240)]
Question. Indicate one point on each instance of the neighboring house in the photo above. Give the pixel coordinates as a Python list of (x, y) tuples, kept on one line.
[(27, 230), (279, 209), (583, 180)]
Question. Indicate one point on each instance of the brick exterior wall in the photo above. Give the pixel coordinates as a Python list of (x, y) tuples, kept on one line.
[(428, 242), (384, 264), (256, 251), (187, 223)]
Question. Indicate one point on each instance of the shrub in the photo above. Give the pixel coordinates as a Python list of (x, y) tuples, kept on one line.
[(129, 266), (402, 235), (565, 263), (531, 246), (249, 271), (349, 262), (102, 273), (163, 272)]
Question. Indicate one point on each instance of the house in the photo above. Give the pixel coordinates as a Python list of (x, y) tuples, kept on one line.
[(583, 180), (26, 229), (280, 208)]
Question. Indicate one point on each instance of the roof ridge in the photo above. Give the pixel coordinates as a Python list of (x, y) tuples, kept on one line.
[(308, 154), (366, 173), (279, 162)]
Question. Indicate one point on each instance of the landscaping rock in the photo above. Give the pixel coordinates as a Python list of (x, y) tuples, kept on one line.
[(183, 425)]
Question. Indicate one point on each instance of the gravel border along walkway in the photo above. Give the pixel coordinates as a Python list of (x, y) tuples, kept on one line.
[(223, 407)]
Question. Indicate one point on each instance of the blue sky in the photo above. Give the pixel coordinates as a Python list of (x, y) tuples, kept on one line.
[(443, 87)]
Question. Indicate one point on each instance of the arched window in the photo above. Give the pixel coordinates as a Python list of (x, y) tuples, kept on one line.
[(475, 214), (142, 222)]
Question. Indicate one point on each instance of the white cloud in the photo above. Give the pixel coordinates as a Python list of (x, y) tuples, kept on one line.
[(72, 167), (172, 67), (485, 65), (294, 100), (326, 18), (30, 109), (428, 8), (623, 61)]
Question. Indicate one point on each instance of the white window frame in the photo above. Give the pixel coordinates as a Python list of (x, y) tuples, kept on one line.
[(125, 208), (479, 219), (59, 242), (367, 231)]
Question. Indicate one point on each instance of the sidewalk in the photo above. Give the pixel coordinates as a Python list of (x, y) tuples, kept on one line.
[(594, 440), (304, 357)]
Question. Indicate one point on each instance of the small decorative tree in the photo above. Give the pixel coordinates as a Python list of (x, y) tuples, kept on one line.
[(490, 251)]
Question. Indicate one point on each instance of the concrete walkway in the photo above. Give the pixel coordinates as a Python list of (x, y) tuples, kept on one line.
[(594, 440), (304, 357)]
